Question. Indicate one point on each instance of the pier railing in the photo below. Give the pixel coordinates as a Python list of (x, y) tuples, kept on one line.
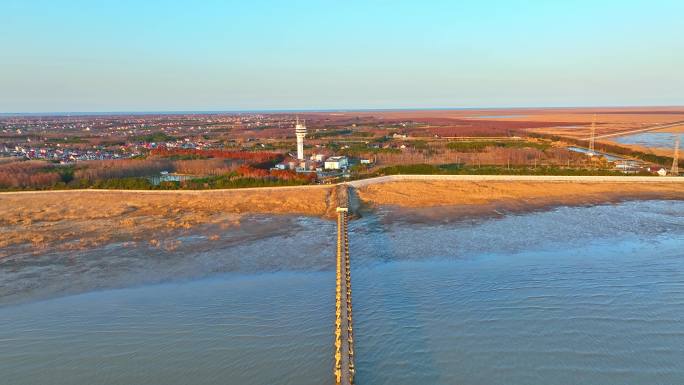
[(343, 371)]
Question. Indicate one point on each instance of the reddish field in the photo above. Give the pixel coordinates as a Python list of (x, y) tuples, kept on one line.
[(571, 122)]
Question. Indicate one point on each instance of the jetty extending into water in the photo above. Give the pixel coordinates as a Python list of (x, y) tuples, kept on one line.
[(343, 370)]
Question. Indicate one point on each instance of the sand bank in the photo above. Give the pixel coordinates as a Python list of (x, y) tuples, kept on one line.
[(450, 199), (68, 220), (86, 218)]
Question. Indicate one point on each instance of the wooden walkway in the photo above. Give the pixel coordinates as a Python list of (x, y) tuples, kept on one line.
[(343, 371)]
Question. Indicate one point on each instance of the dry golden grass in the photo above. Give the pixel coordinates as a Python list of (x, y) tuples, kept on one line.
[(511, 194), (69, 220), (76, 219)]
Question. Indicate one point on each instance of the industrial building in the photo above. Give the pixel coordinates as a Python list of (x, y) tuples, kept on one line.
[(336, 163)]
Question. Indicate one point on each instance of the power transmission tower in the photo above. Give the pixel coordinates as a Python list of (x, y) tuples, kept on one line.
[(675, 160), (593, 134)]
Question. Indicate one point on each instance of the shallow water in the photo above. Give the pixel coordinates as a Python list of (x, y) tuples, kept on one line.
[(591, 295), (610, 158), (651, 139)]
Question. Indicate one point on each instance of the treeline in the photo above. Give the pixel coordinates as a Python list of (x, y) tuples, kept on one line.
[(249, 156), (218, 182), (127, 168), (27, 174), (481, 145), (490, 155), (243, 177), (460, 169), (122, 168), (138, 173), (342, 132)]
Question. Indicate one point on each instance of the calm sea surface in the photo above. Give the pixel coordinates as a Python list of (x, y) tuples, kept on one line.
[(587, 295)]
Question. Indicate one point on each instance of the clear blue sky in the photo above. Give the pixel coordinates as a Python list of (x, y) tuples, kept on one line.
[(61, 55)]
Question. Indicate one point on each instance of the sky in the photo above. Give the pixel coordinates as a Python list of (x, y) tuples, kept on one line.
[(69, 55)]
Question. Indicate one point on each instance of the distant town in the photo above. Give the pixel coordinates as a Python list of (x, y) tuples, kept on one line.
[(268, 149)]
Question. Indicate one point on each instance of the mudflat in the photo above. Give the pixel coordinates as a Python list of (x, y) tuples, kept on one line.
[(39, 222), (426, 193), (78, 219)]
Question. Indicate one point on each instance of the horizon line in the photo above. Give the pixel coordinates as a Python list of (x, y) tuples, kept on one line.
[(318, 110)]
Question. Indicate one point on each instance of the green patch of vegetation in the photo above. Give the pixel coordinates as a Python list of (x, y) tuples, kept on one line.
[(68, 139), (325, 134), (420, 169), (228, 182), (268, 164), (123, 183), (342, 132), (66, 174), (155, 137), (358, 149), (363, 134), (110, 143), (419, 144), (481, 145), (187, 157)]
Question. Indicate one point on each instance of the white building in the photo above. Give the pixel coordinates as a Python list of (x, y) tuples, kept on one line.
[(300, 132), (336, 163)]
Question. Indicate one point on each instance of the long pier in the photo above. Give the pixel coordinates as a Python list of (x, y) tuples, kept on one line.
[(343, 370)]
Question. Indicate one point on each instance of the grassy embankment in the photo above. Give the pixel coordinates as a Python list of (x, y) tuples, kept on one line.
[(459, 169)]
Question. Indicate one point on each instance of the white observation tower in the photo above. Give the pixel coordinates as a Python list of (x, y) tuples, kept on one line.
[(300, 131)]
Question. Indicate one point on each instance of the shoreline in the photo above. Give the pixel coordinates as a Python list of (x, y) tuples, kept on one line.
[(384, 179), (41, 222)]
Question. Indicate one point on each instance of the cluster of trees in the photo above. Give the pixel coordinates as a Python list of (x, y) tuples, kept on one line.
[(481, 145), (134, 168), (205, 166), (227, 181), (122, 168), (243, 176), (28, 174), (481, 152), (246, 171), (341, 132), (137, 173), (248, 156), (489, 156)]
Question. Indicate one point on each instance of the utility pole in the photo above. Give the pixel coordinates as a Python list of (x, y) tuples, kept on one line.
[(675, 160)]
